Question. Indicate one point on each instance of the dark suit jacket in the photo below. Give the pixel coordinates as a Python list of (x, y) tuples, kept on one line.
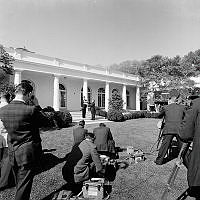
[(102, 135), (89, 156), (92, 108), (79, 134), (22, 123), (190, 131), (173, 115)]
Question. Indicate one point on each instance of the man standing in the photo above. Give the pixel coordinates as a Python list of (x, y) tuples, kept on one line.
[(190, 131), (79, 133), (173, 115), (84, 107), (92, 109), (5, 97), (24, 143), (104, 140)]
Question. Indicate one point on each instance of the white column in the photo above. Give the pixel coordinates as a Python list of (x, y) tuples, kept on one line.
[(137, 98), (85, 89), (17, 78), (107, 90), (56, 93), (124, 96)]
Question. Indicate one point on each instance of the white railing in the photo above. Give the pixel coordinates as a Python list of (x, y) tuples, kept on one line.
[(23, 55)]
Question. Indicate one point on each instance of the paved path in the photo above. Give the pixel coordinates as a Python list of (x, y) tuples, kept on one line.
[(77, 116)]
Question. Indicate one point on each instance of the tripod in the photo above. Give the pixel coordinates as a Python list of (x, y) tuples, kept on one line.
[(175, 170)]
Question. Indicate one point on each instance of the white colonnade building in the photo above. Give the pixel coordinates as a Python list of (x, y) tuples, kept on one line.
[(62, 84)]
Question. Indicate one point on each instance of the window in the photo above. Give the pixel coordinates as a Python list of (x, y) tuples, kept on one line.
[(62, 96), (127, 98), (89, 96), (101, 97)]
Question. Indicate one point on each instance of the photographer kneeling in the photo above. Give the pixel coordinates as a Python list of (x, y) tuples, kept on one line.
[(83, 163)]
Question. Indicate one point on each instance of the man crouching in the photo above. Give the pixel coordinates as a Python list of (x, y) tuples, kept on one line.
[(82, 163)]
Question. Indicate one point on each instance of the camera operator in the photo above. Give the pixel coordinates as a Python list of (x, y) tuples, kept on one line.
[(173, 115), (190, 131)]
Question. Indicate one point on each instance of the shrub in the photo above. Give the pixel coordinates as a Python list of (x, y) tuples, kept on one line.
[(63, 118), (115, 115), (116, 101), (127, 115), (97, 110), (50, 118), (60, 119), (151, 115), (103, 113), (48, 109)]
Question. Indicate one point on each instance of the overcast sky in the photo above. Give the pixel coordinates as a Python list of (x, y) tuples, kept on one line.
[(101, 31)]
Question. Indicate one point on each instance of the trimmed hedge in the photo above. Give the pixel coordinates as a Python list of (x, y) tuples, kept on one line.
[(115, 115), (100, 112), (59, 119), (63, 118), (139, 114)]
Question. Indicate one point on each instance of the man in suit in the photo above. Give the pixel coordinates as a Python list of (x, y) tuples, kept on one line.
[(24, 143), (104, 140), (6, 174), (79, 133), (190, 132), (5, 97), (85, 103), (90, 164), (82, 163), (93, 110), (173, 115)]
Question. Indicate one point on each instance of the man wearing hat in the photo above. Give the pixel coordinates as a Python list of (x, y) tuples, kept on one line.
[(173, 115)]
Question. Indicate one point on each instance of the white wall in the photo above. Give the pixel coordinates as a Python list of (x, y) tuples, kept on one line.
[(73, 87), (132, 91), (94, 87), (43, 87)]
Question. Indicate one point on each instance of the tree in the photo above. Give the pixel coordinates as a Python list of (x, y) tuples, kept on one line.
[(6, 69), (128, 66), (116, 101), (167, 73)]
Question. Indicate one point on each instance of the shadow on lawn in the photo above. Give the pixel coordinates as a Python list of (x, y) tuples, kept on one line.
[(53, 128), (51, 196), (48, 161)]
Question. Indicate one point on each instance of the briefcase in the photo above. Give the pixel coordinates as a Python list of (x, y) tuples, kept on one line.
[(93, 189)]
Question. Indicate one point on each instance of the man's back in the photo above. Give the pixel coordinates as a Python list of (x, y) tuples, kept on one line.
[(89, 155), (102, 135), (20, 122), (79, 134), (173, 114)]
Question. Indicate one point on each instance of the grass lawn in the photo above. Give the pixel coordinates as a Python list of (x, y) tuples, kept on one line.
[(144, 180)]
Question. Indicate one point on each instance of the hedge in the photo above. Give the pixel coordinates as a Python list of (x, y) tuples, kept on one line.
[(115, 115), (59, 119), (139, 114)]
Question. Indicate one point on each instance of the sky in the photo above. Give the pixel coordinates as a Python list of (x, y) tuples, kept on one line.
[(101, 32)]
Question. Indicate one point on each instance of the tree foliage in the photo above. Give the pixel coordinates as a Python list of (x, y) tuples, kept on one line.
[(161, 73), (128, 66), (6, 69), (116, 101)]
